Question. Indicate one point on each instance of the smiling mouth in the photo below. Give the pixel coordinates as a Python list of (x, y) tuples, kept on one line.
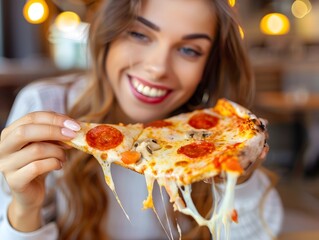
[(148, 91)]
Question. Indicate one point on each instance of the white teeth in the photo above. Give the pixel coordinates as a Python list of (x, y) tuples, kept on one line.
[(148, 91)]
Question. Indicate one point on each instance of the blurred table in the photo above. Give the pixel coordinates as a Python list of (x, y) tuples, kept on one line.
[(19, 72), (300, 236), (298, 105), (291, 102)]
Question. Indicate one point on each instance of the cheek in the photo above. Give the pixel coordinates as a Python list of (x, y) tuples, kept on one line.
[(190, 76), (111, 61), (119, 56), (114, 56)]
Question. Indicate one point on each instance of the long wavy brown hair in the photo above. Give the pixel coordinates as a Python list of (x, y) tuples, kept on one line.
[(227, 74)]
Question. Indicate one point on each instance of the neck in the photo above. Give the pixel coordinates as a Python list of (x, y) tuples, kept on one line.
[(117, 115)]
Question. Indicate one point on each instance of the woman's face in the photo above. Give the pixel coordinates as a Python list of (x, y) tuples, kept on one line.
[(156, 65)]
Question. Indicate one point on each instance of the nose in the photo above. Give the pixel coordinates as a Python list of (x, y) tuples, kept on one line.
[(157, 62)]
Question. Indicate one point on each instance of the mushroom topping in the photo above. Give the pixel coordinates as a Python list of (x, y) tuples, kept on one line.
[(197, 135), (146, 147)]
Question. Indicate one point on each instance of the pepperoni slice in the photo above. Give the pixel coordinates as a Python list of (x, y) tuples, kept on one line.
[(197, 149), (203, 121), (158, 124), (104, 137)]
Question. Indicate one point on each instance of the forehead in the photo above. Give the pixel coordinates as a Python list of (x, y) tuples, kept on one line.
[(180, 15)]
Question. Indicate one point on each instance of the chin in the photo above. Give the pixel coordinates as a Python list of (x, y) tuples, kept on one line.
[(144, 116)]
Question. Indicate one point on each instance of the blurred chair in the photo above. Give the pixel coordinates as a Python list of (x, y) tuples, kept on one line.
[(301, 81)]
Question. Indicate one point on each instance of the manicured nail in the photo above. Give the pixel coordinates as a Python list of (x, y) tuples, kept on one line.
[(72, 125), (68, 133)]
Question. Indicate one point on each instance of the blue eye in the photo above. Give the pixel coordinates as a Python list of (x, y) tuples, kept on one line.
[(138, 36), (189, 52)]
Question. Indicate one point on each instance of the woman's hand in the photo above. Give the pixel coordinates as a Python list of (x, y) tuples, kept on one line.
[(30, 148), (248, 171), (249, 167)]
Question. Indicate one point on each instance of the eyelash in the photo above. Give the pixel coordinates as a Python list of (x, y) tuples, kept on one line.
[(189, 52), (138, 36), (186, 51)]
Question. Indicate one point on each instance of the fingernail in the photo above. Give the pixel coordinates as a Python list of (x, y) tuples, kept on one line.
[(68, 132), (70, 124)]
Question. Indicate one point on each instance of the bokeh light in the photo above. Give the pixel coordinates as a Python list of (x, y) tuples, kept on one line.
[(275, 24), (232, 2), (241, 32), (36, 11), (301, 8), (67, 21)]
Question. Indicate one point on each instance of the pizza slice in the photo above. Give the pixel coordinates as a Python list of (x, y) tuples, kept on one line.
[(109, 143), (181, 150)]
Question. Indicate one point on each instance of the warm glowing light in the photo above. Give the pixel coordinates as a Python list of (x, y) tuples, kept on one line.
[(275, 24), (241, 32), (301, 8), (67, 21), (36, 11), (232, 2)]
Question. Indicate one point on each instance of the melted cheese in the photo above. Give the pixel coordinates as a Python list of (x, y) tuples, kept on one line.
[(109, 181), (222, 215)]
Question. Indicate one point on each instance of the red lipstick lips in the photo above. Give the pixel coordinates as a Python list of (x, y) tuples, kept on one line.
[(146, 92)]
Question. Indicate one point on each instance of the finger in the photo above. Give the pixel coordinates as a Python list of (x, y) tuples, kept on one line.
[(264, 152), (24, 134), (63, 145), (45, 118), (254, 165), (33, 152), (20, 179), (209, 180), (219, 180)]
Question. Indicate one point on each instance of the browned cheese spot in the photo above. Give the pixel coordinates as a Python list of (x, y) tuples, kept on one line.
[(104, 156), (181, 164), (189, 171), (143, 169), (169, 171), (152, 164)]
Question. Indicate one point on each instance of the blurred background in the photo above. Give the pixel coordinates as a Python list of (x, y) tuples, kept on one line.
[(44, 38)]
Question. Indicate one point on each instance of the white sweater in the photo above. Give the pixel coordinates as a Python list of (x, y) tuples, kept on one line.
[(143, 224)]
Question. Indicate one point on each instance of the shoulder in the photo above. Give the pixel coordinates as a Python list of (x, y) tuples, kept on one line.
[(50, 94), (50, 87), (54, 89)]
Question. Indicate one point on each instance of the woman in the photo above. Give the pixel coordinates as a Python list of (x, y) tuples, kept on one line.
[(150, 59)]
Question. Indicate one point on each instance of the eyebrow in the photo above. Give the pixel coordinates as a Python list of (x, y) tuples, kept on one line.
[(197, 35), (148, 24), (186, 37)]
